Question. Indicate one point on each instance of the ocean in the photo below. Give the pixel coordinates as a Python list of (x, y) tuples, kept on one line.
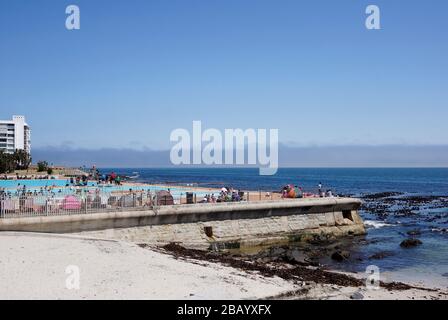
[(414, 200)]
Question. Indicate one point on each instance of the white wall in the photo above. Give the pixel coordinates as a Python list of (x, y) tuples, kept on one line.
[(19, 127)]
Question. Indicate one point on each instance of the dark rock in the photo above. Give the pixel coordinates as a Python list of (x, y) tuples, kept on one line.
[(319, 240), (409, 243), (381, 195), (296, 256), (277, 251), (423, 199), (414, 232), (404, 212), (357, 296), (340, 255), (380, 255)]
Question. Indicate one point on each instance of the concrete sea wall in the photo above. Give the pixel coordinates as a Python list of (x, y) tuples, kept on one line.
[(221, 225)]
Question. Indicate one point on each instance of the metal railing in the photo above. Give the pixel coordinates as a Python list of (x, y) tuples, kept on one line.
[(13, 205), (31, 205), (61, 203)]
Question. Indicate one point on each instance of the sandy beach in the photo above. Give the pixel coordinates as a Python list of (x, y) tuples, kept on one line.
[(34, 266)]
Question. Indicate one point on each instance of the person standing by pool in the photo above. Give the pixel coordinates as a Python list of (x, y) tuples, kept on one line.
[(112, 176)]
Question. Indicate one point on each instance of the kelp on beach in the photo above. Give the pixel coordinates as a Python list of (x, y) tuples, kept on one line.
[(292, 271)]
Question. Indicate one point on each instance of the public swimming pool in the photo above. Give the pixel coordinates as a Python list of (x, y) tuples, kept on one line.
[(175, 191), (60, 186), (36, 184)]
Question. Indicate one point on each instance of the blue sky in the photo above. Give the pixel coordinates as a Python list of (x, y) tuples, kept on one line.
[(136, 70)]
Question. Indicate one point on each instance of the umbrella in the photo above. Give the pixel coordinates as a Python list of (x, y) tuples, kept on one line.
[(71, 203)]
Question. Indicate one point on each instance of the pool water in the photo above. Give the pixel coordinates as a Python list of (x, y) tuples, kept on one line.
[(59, 186), (35, 184), (175, 191)]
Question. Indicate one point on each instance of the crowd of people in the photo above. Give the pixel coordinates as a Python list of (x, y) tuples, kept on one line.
[(227, 194), (111, 178), (25, 177), (22, 190), (79, 184), (94, 174), (294, 191), (78, 181)]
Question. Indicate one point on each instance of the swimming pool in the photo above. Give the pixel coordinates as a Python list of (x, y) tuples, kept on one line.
[(36, 183), (59, 186), (175, 191)]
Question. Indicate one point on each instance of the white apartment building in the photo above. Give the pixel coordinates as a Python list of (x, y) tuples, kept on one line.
[(15, 134)]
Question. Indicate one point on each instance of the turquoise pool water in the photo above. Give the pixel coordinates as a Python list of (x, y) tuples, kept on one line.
[(59, 186), (35, 183), (175, 191)]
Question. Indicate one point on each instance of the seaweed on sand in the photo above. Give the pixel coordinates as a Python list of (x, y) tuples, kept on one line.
[(296, 273)]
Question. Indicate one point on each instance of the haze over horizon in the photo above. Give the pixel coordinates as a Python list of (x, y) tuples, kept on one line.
[(340, 156)]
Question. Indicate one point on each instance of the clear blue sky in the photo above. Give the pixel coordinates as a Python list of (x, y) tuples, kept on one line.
[(139, 69)]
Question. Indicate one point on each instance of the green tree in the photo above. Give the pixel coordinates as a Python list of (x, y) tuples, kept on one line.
[(22, 159), (42, 166), (7, 162)]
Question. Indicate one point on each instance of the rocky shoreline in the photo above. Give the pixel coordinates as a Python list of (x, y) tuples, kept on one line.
[(399, 204), (290, 269), (313, 282)]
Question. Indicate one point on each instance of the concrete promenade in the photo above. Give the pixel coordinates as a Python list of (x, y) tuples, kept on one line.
[(223, 224)]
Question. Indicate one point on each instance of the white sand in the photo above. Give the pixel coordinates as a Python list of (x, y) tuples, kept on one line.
[(33, 266)]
